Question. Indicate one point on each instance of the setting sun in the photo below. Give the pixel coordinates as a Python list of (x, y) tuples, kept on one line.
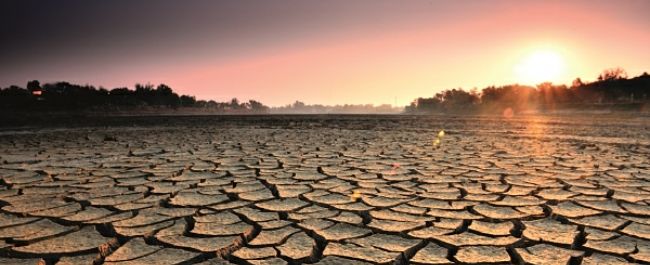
[(540, 66)]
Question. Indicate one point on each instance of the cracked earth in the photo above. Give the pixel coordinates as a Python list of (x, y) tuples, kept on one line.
[(327, 190)]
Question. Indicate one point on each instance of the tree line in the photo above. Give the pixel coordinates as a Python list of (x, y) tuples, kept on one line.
[(612, 89), (64, 96), (300, 107)]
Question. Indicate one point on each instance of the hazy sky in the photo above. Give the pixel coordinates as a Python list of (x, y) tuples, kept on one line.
[(318, 51)]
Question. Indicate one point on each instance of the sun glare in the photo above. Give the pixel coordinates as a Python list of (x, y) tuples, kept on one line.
[(540, 66)]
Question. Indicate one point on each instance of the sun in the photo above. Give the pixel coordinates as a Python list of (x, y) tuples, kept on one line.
[(540, 66)]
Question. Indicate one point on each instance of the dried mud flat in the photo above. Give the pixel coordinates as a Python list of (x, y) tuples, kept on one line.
[(327, 190)]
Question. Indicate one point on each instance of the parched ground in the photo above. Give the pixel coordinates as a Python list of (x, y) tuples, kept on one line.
[(327, 190)]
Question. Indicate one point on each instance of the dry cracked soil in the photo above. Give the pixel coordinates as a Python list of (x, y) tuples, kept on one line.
[(327, 190)]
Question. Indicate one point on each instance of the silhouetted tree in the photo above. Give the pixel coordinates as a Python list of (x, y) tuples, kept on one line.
[(612, 74), (187, 101), (63, 96), (577, 83), (33, 85), (165, 96), (257, 107), (612, 86), (298, 105)]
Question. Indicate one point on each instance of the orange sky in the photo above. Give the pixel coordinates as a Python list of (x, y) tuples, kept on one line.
[(379, 52)]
